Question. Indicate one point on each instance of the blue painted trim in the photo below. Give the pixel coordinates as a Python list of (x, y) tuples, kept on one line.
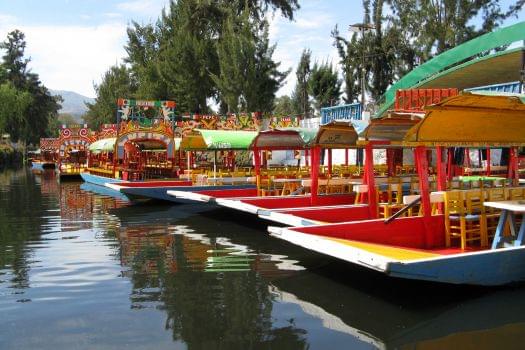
[(98, 180), (488, 268), (161, 192)]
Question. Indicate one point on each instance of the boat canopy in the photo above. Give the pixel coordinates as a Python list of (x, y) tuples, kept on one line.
[(391, 128), (285, 139), (103, 145), (474, 120), (336, 135), (202, 140), (449, 69)]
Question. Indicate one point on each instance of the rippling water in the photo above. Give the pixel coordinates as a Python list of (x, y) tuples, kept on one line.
[(83, 270)]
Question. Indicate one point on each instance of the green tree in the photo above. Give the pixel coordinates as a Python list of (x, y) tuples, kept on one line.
[(300, 95), (116, 83), (43, 107), (324, 85), (249, 78), (284, 105), (13, 107), (143, 50)]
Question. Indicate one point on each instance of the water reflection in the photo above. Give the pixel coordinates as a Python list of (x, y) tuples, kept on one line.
[(85, 270)]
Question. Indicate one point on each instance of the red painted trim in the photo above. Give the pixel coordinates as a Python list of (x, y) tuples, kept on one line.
[(407, 232), (297, 202)]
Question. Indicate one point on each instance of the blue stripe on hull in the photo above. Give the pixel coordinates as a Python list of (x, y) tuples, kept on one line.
[(98, 180), (490, 268), (161, 192)]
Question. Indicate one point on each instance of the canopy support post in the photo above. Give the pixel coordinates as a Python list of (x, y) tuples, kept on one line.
[(370, 181), (513, 166), (314, 183), (488, 161), (450, 160), (441, 174), (346, 156), (215, 164), (329, 162), (257, 163), (306, 157), (422, 170)]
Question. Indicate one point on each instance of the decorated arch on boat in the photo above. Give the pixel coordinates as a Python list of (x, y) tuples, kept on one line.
[(145, 125), (74, 138)]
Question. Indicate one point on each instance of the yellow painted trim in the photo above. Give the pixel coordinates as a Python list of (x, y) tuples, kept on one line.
[(403, 254)]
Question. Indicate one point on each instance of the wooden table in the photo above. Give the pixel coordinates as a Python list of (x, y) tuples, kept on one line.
[(508, 212)]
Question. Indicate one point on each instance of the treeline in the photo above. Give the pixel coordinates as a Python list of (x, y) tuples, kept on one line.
[(402, 35), (27, 109), (198, 53)]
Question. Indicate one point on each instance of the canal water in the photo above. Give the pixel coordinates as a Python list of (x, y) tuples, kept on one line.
[(80, 269)]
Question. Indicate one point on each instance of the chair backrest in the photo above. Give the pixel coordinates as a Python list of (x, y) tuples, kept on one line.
[(496, 194), (454, 203), (516, 193), (474, 201)]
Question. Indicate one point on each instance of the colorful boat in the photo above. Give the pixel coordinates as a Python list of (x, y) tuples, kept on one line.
[(72, 144), (271, 188), (204, 141), (420, 247), (46, 156)]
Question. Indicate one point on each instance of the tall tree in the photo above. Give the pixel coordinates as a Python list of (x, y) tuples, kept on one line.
[(300, 95), (324, 85), (143, 49), (116, 83), (42, 108), (248, 78), (409, 32), (284, 106)]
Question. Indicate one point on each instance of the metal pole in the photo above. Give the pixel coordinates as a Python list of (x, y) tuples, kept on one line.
[(363, 69)]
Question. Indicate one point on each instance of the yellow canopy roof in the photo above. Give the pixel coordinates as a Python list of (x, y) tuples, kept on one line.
[(472, 119)]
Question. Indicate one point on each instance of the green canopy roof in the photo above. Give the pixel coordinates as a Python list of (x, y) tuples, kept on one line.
[(210, 140), (103, 145), (449, 69)]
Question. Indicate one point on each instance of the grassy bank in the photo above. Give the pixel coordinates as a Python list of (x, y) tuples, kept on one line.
[(10, 156)]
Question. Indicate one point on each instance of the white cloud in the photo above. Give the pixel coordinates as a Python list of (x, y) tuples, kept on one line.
[(72, 57), (144, 7)]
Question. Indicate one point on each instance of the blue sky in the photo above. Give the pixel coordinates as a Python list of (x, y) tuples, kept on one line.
[(73, 42)]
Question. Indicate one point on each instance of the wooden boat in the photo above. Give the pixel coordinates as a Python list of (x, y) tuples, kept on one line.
[(199, 140), (46, 156), (267, 196), (419, 247), (72, 144)]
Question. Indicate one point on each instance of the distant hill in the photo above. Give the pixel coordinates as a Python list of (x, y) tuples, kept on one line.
[(73, 104)]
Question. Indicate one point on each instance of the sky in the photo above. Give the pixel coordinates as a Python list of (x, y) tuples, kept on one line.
[(73, 42)]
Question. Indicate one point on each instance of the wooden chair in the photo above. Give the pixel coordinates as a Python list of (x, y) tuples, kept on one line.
[(459, 223), (494, 194), (516, 193), (394, 200)]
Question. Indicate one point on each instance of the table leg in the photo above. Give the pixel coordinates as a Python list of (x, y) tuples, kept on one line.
[(500, 228), (521, 234), (512, 222)]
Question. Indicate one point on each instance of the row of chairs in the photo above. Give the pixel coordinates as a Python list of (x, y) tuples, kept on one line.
[(468, 220)]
